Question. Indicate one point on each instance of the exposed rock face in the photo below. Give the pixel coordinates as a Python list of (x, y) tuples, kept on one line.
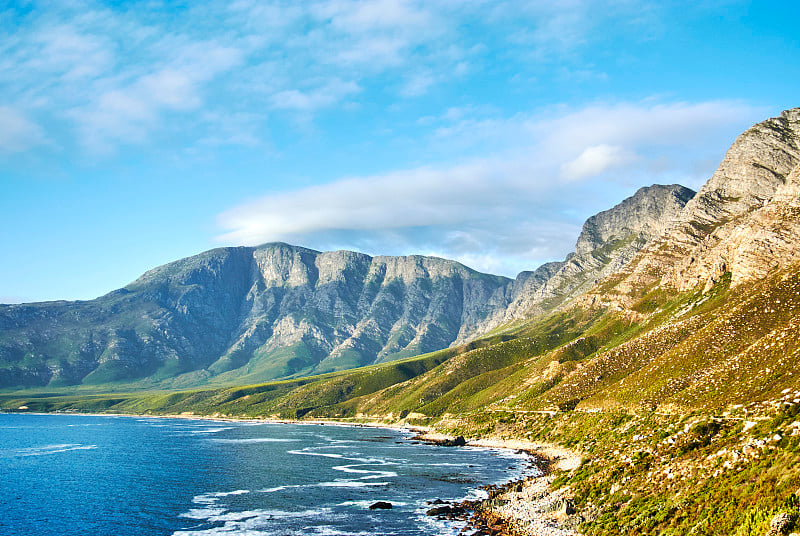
[(642, 216), (608, 241), (751, 247), (743, 221), (248, 314)]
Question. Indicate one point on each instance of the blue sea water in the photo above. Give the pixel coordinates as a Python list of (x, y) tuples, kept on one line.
[(104, 475)]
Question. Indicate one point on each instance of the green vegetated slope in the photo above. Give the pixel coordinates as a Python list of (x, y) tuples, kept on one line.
[(692, 351)]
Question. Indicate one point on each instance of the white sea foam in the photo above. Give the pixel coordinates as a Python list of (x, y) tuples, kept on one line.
[(229, 493), (252, 440), (367, 504), (87, 424), (312, 451), (252, 522), (210, 430), (475, 495), (323, 454), (358, 504), (371, 473), (329, 530), (433, 525), (52, 449), (276, 488), (214, 496), (349, 484), (203, 513)]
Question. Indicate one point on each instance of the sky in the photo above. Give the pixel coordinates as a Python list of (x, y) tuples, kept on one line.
[(134, 133)]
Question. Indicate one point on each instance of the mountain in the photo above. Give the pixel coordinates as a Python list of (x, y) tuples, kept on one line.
[(743, 221), (236, 315), (608, 241), (277, 311), (248, 314)]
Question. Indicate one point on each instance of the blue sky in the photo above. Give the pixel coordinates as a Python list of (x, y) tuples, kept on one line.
[(136, 133)]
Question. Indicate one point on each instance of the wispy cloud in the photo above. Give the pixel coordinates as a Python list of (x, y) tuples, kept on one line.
[(331, 92), (118, 75), (127, 111), (17, 132), (594, 160)]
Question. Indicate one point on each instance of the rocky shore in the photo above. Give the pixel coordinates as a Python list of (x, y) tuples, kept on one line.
[(526, 507)]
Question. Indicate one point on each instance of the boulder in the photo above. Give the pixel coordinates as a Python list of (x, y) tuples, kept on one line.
[(440, 510), (781, 524), (445, 510), (380, 505)]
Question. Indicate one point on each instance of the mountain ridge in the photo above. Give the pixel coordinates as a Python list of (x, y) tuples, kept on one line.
[(249, 314), (274, 311), (209, 314), (678, 390)]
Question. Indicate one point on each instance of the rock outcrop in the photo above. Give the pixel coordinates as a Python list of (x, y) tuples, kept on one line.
[(743, 221), (608, 241)]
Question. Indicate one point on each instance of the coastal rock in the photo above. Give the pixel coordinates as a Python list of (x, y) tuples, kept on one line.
[(440, 510), (781, 524), (380, 505)]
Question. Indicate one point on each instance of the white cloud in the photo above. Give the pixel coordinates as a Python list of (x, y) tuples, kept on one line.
[(128, 111), (418, 84), (359, 16), (507, 204), (408, 198), (595, 160), (330, 93), (118, 74), (17, 132), (64, 49)]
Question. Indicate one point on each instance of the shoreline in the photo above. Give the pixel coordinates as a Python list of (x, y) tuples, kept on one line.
[(525, 507), (521, 507)]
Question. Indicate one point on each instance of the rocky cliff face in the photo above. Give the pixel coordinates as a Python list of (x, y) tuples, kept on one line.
[(743, 221), (255, 314), (248, 314), (738, 222), (608, 242)]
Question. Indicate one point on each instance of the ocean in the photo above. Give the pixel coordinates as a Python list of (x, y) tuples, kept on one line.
[(118, 476)]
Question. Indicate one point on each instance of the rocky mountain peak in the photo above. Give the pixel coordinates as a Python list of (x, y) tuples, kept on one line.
[(645, 213), (608, 241), (754, 167), (742, 222)]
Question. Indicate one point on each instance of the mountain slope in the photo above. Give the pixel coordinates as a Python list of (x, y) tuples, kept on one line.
[(608, 241), (675, 377), (248, 314)]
